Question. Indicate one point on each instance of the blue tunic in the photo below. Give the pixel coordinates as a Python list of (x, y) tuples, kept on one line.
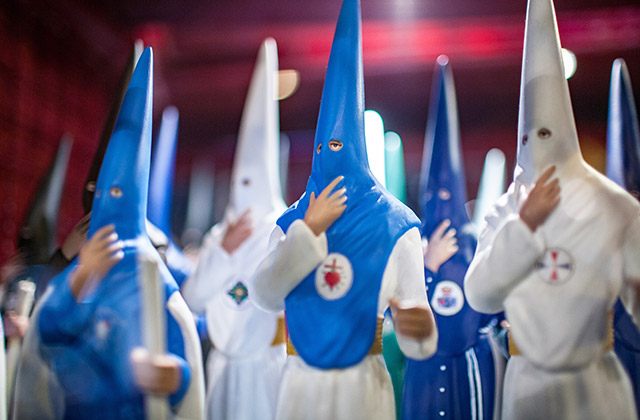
[(458, 382)]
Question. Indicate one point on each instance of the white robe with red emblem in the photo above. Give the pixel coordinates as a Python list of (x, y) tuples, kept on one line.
[(557, 286)]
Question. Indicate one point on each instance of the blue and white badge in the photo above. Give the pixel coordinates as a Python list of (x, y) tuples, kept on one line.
[(334, 277), (448, 298)]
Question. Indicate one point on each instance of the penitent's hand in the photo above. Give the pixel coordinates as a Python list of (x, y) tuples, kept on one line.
[(542, 200), (442, 245), (97, 256), (237, 232), (414, 322), (158, 375), (326, 208), (15, 326), (76, 238)]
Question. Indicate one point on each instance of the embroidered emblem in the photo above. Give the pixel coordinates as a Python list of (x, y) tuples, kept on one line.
[(334, 277), (448, 298), (556, 266), (238, 293)]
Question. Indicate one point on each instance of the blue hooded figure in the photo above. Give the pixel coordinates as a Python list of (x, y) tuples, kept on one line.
[(87, 341), (458, 381), (161, 194), (335, 284), (338, 333), (623, 167)]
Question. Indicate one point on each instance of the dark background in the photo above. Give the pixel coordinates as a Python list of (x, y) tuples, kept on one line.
[(60, 62)]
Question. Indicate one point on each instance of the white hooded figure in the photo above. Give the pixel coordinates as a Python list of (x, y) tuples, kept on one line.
[(557, 276), (244, 367)]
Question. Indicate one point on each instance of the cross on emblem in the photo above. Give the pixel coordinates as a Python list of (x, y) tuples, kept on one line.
[(556, 266), (332, 276), (238, 293)]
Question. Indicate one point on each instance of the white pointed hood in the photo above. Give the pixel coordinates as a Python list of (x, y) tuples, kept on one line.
[(255, 180), (547, 132)]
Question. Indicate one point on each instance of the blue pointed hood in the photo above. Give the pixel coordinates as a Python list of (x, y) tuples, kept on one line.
[(123, 181), (342, 108), (623, 133), (107, 130), (443, 192), (341, 118), (37, 235), (162, 172)]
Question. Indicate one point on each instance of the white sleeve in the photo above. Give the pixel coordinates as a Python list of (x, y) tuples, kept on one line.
[(406, 270), (630, 293), (213, 263), (506, 252), (291, 258)]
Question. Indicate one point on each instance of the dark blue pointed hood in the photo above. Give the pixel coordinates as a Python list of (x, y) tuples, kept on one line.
[(163, 172), (37, 235), (123, 181), (443, 192), (623, 133)]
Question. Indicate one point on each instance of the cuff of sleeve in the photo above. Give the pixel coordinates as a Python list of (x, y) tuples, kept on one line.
[(185, 380), (299, 231), (295, 256), (418, 349), (530, 240), (216, 248)]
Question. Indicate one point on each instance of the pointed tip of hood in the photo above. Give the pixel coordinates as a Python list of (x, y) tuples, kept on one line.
[(123, 182), (547, 133), (142, 72), (341, 114), (443, 186), (542, 47), (139, 84), (442, 61), (107, 130), (623, 130), (255, 179), (36, 237), (163, 171)]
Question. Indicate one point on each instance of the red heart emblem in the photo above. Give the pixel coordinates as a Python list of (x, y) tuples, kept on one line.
[(332, 278)]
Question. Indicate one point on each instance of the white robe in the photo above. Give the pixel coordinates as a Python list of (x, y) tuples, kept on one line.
[(243, 368), (559, 311), (363, 391)]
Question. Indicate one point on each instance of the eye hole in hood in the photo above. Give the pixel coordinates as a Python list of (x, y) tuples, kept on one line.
[(544, 133), (115, 192), (335, 145)]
